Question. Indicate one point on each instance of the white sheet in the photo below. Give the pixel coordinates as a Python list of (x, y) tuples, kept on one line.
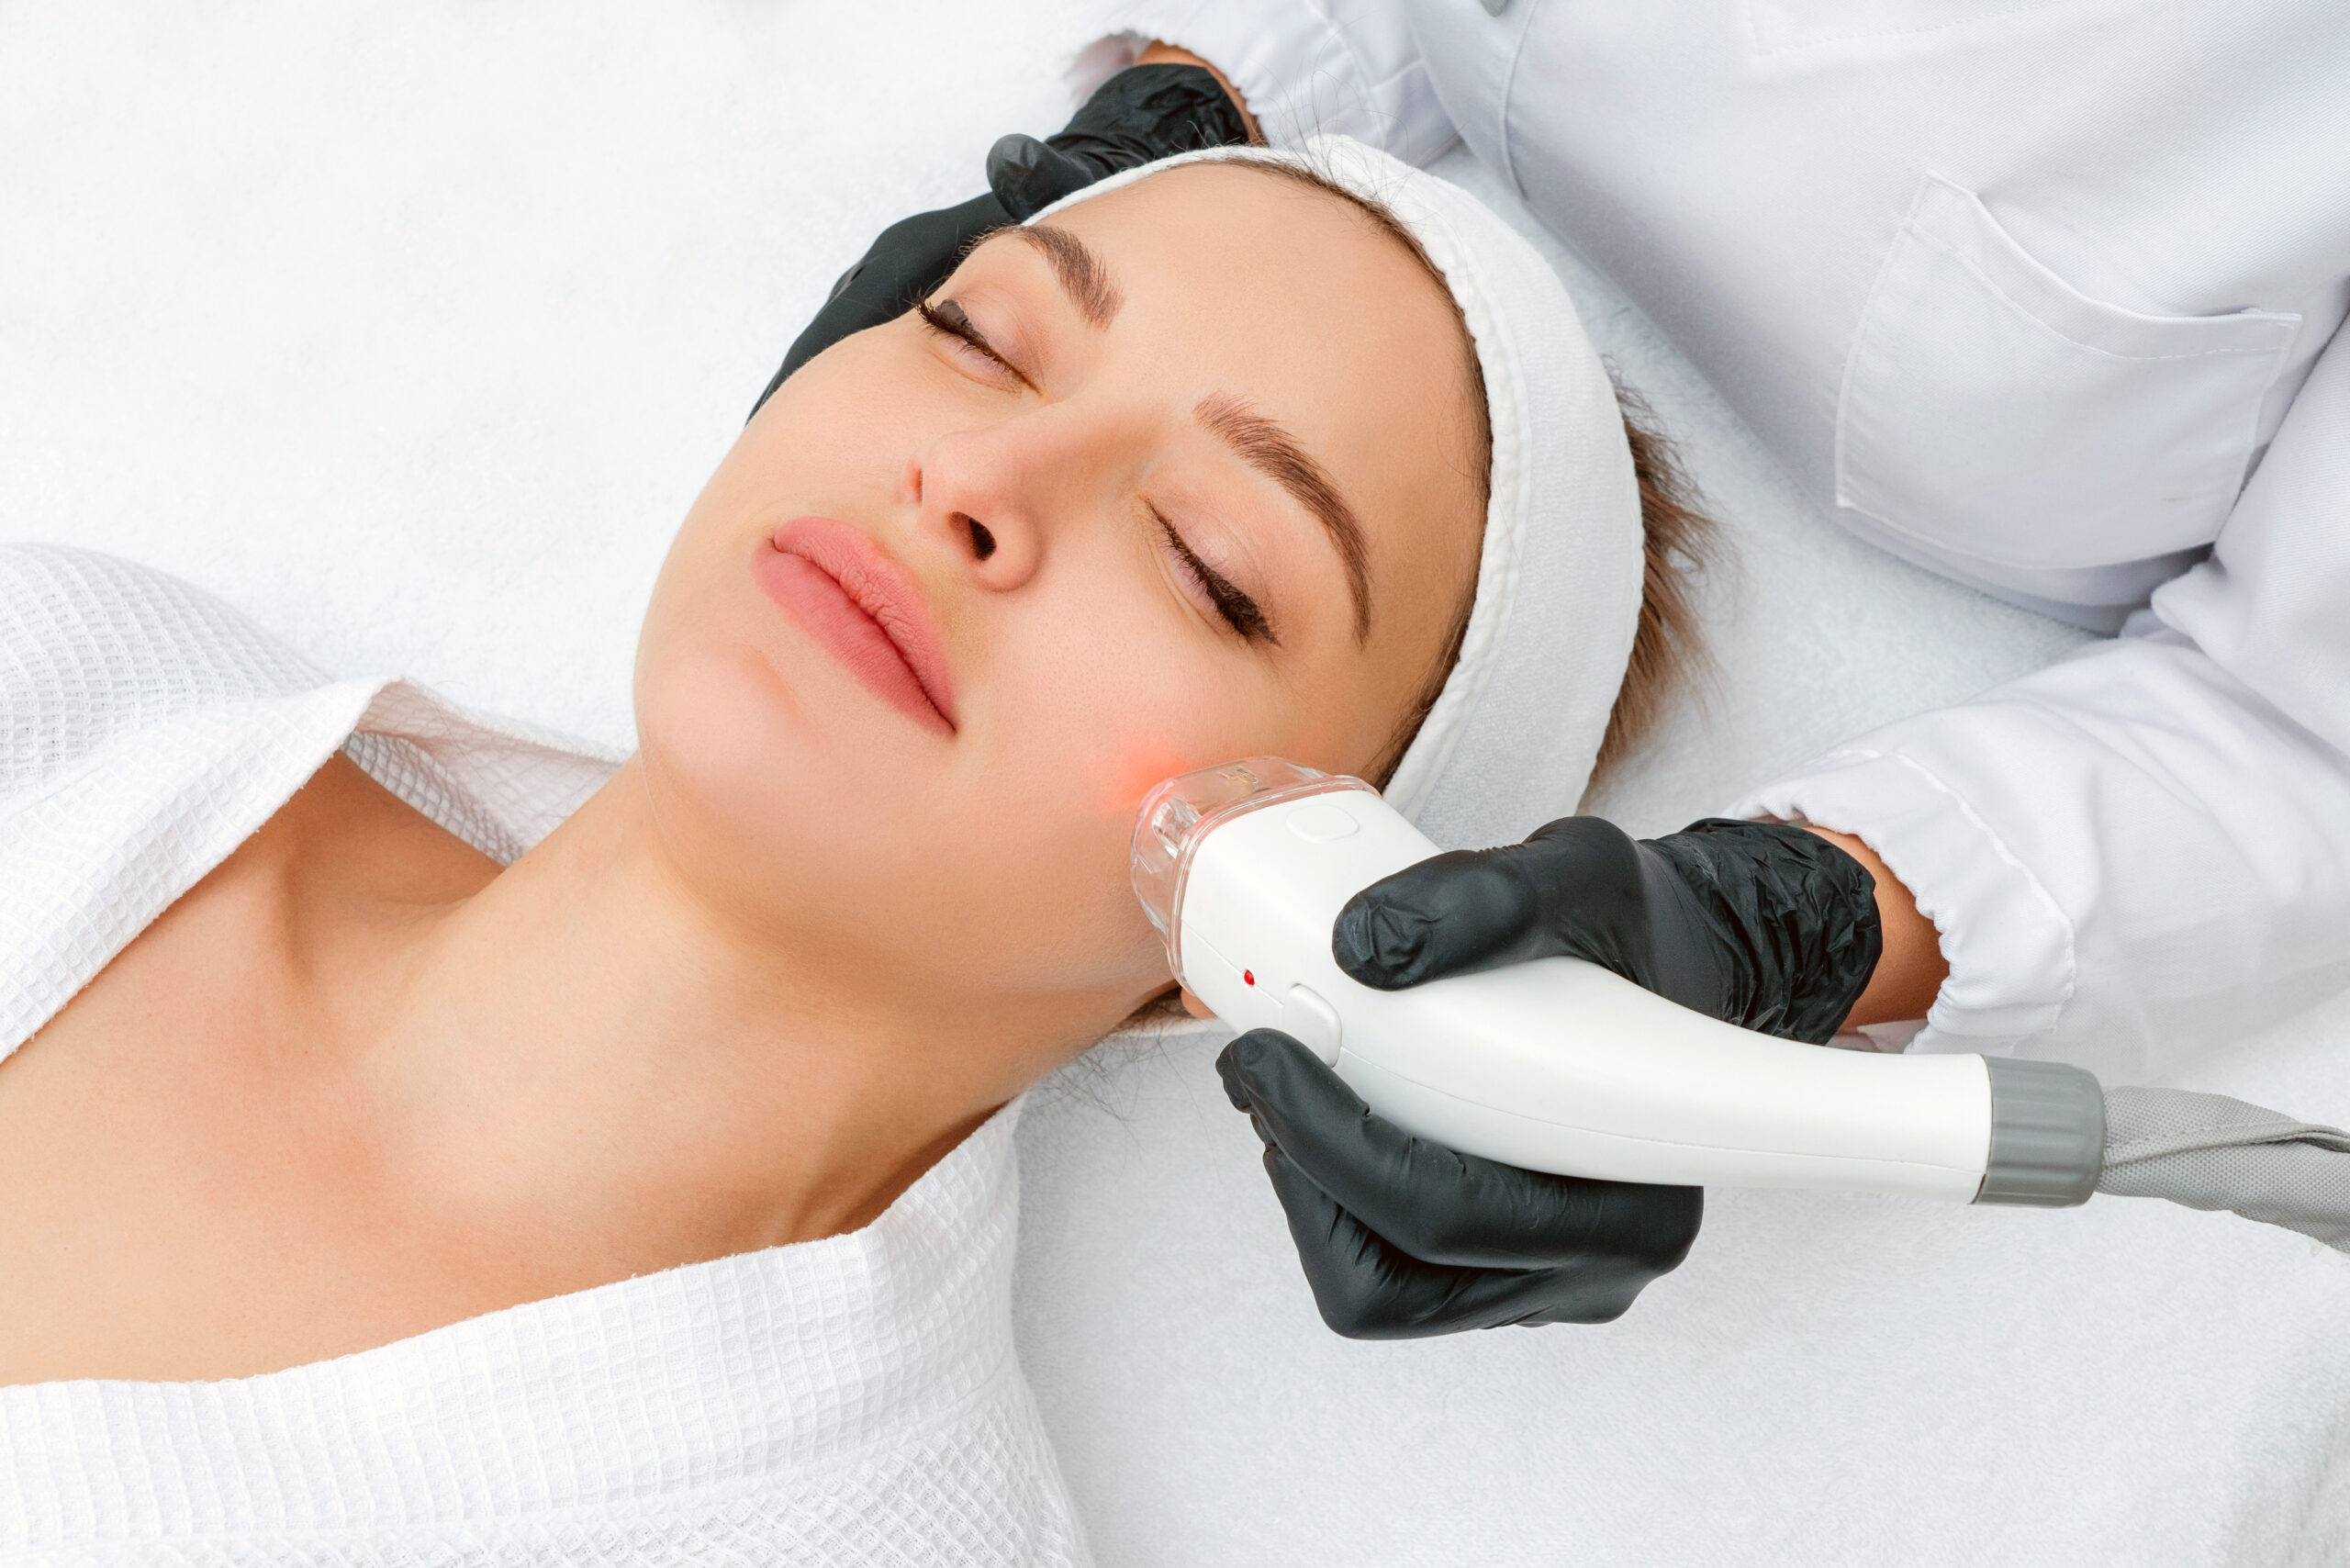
[(412, 330)]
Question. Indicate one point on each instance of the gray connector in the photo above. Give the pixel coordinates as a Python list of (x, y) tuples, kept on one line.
[(2047, 1134)]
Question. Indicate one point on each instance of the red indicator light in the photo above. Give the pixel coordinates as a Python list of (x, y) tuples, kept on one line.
[(1247, 977)]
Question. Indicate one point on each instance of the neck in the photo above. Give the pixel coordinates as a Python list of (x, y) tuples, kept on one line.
[(585, 1038)]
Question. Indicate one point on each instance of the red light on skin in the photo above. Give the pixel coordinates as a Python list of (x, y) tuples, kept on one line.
[(1131, 768), (1247, 977)]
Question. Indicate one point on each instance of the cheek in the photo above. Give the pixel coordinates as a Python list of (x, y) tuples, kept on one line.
[(1120, 708), (1095, 697), (1113, 697), (1134, 767), (780, 799), (1109, 705)]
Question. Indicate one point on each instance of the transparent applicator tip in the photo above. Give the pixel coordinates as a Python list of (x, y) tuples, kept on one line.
[(1178, 814)]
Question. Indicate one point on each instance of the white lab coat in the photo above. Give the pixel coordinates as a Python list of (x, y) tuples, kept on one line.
[(2024, 293)]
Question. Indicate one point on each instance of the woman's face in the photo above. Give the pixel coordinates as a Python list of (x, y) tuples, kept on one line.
[(1192, 473)]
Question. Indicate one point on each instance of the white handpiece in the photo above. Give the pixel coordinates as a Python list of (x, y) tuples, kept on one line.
[(1558, 1065)]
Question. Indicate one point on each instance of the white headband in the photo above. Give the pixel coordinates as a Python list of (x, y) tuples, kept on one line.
[(1511, 741)]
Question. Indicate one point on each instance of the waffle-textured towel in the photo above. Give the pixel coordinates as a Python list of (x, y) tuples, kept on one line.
[(853, 1400)]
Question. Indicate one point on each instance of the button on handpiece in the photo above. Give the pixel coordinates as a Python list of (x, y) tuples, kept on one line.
[(1321, 823), (1312, 1023)]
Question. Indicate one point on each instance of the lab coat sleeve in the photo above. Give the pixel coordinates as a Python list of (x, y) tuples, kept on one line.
[(1348, 67), (2143, 852)]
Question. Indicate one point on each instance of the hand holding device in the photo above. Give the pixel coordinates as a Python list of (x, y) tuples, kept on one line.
[(1760, 924), (1555, 1063), (1401, 1238), (1584, 1110)]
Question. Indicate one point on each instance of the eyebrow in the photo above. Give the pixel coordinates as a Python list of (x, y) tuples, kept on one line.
[(1261, 442), (1265, 446), (1082, 276)]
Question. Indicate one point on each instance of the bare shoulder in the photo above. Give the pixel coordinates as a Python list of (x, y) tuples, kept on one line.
[(183, 1132)]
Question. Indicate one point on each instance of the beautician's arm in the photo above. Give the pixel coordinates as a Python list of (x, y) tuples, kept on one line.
[(2140, 853)]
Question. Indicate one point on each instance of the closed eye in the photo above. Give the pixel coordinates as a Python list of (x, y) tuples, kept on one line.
[(948, 320), (1238, 610)]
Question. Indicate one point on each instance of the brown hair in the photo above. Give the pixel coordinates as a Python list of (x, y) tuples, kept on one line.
[(1678, 543)]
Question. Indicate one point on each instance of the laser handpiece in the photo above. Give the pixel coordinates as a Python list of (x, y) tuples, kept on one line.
[(1558, 1065)]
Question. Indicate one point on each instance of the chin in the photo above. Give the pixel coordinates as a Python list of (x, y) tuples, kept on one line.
[(794, 799), (746, 771)]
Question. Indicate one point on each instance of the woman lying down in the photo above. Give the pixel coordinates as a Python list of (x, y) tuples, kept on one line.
[(373, 1189)]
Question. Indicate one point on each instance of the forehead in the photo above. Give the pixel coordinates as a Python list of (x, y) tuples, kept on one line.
[(1242, 284), (1245, 246)]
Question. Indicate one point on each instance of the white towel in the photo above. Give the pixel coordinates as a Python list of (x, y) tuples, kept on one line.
[(853, 1400)]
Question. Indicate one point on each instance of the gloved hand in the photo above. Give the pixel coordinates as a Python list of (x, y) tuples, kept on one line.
[(1401, 1238), (1141, 114), (1762, 924), (1759, 923)]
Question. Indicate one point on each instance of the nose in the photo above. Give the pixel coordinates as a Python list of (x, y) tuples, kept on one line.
[(990, 497)]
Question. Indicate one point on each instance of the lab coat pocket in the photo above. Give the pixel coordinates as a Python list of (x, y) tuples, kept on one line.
[(1991, 409)]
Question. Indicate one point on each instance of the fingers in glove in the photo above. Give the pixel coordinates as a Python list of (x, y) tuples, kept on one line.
[(1580, 888), (1028, 175), (910, 258), (1138, 116), (1142, 112), (1575, 888), (1155, 111), (1456, 912), (1368, 1288), (1439, 1205), (1228, 1070)]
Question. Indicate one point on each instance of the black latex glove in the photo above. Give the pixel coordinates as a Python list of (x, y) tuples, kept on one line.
[(1401, 1238), (1139, 116), (1759, 923), (1143, 113)]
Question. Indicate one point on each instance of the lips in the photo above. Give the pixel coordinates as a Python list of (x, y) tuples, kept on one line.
[(865, 610)]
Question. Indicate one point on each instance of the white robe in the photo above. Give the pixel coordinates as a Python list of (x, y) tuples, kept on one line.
[(2043, 295), (854, 1400)]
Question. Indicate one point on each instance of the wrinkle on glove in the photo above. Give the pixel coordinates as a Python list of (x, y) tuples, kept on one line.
[(1401, 1238), (1139, 116), (1762, 924), (2208, 1152)]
